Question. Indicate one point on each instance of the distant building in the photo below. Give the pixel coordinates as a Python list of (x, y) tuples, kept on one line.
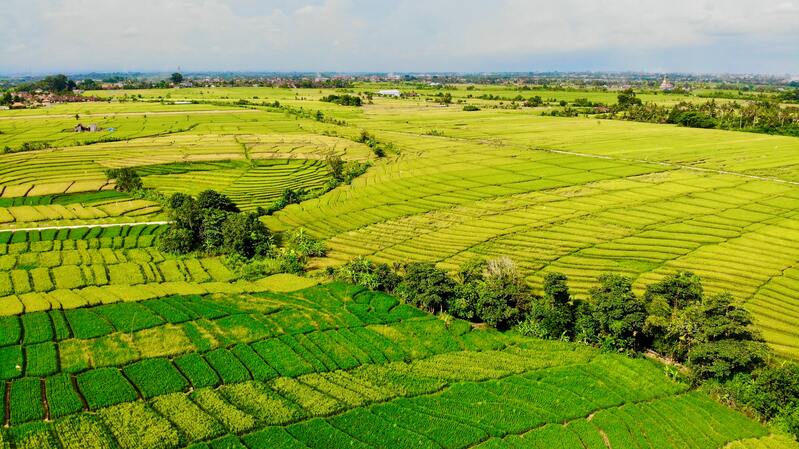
[(93, 128), (389, 93), (666, 85)]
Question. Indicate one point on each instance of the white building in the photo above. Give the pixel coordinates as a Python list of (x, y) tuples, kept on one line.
[(389, 93)]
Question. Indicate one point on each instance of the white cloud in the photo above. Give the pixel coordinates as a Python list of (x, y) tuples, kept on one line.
[(49, 35)]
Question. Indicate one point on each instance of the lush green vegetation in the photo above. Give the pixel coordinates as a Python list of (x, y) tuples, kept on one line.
[(766, 115), (338, 363), (153, 309)]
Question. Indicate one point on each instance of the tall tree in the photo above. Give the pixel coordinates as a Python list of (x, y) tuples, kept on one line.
[(617, 313)]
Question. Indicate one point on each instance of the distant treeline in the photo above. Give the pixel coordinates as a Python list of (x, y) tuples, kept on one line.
[(767, 115)]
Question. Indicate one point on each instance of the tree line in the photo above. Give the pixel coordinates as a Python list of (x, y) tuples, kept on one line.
[(766, 115), (709, 336), (343, 100)]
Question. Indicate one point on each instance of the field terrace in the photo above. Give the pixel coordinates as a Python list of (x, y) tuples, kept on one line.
[(579, 196), (331, 366)]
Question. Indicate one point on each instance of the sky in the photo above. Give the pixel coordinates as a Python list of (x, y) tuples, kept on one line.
[(700, 36)]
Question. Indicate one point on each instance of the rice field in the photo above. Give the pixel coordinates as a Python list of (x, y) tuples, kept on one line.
[(108, 342), (328, 366)]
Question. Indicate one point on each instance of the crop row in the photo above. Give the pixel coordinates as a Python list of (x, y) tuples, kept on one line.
[(15, 242), (394, 406), (274, 363), (450, 174), (250, 317), (88, 198), (69, 276), (295, 351), (113, 293), (56, 212)]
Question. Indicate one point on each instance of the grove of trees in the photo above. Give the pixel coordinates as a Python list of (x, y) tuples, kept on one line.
[(766, 115), (709, 336)]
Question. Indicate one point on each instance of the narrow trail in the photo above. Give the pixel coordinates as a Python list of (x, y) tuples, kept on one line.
[(88, 225)]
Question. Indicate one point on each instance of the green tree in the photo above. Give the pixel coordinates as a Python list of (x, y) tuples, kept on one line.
[(210, 232), (57, 83), (618, 315), (127, 180), (470, 274), (503, 296), (246, 235), (336, 166), (184, 212), (426, 286), (177, 240), (7, 99), (211, 199), (720, 339), (626, 99), (664, 300), (551, 316), (176, 78), (89, 84)]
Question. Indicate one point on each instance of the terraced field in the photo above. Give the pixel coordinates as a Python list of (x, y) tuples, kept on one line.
[(108, 342), (331, 366), (580, 196), (248, 184)]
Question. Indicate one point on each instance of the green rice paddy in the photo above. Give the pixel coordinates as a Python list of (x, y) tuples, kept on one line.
[(108, 342)]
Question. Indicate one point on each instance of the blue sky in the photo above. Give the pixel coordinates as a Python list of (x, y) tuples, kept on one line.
[(740, 36)]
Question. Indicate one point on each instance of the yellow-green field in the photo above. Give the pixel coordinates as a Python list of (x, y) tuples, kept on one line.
[(106, 341), (581, 196)]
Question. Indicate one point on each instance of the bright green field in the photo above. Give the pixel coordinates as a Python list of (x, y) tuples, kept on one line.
[(91, 317), (578, 195), (331, 366)]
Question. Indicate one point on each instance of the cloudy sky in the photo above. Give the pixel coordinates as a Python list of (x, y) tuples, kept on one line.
[(739, 36)]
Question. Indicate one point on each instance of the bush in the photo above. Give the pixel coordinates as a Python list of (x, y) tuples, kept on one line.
[(305, 245), (470, 108), (364, 272)]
